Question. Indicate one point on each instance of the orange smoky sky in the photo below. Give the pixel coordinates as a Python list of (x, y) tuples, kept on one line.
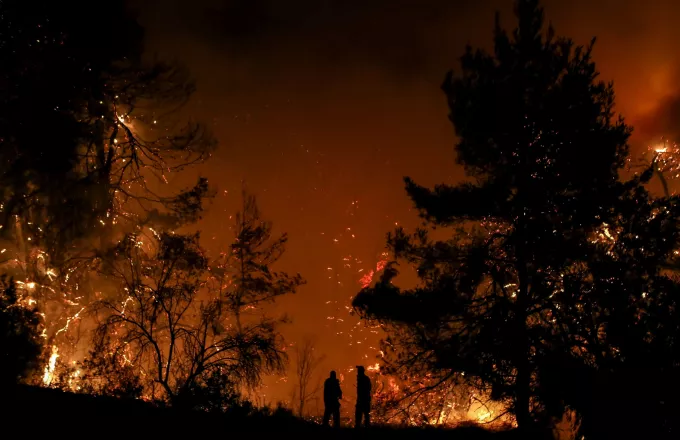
[(322, 106)]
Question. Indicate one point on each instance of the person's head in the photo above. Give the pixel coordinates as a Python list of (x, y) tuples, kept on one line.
[(332, 374), (360, 370)]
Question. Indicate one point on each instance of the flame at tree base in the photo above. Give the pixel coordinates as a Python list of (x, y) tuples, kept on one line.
[(48, 374)]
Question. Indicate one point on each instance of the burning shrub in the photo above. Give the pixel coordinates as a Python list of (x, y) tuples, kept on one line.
[(425, 401), (105, 372)]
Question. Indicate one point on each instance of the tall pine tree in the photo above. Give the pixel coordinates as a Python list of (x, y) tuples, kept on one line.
[(540, 143)]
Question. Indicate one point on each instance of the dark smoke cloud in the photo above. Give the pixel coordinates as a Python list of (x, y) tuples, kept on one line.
[(401, 35), (405, 37), (414, 40)]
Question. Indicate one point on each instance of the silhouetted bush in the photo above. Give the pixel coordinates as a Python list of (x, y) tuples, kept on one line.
[(20, 341)]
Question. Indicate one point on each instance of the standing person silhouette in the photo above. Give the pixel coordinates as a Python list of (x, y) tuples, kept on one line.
[(331, 400), (363, 407)]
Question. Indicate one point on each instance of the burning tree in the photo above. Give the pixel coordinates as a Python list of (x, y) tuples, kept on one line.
[(180, 323), (516, 291), (88, 136), (109, 112)]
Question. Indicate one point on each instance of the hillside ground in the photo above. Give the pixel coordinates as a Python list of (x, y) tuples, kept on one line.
[(33, 411)]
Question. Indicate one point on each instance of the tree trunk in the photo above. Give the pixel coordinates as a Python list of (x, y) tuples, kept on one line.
[(523, 364), (522, 396), (523, 378)]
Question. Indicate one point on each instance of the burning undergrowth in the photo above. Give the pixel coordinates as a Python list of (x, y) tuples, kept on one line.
[(431, 402)]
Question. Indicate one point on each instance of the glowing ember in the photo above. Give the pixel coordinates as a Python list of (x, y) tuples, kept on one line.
[(366, 280), (69, 320)]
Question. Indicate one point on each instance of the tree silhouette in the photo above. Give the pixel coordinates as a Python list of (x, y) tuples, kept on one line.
[(89, 134), (541, 146), (245, 280), (180, 323), (105, 113), (306, 364), (20, 341)]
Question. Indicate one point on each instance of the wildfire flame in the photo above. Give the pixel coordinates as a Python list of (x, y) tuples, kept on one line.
[(366, 280), (667, 159), (51, 365)]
